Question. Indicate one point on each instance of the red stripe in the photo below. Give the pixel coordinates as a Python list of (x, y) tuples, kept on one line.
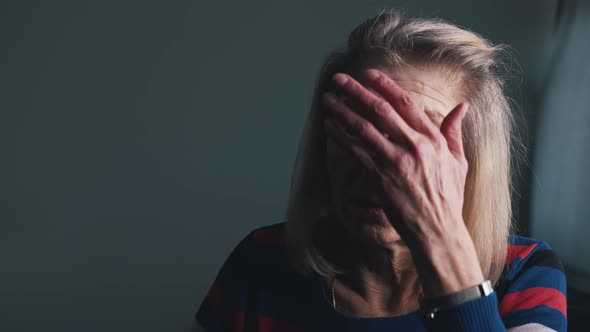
[(239, 323), (235, 319), (269, 236), (224, 309), (266, 324), (521, 251), (217, 300), (531, 298)]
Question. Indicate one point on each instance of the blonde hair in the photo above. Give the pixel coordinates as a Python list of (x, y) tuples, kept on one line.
[(390, 40)]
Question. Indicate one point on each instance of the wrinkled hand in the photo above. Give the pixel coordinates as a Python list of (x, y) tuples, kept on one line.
[(420, 169)]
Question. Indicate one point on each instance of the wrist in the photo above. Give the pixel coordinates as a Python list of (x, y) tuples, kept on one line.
[(447, 264)]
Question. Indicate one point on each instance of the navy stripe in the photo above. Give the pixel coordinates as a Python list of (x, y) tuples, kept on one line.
[(520, 264), (546, 257), (518, 240)]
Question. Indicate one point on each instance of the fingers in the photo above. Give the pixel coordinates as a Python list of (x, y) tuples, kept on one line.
[(379, 111), (359, 127), (402, 102), (355, 147), (451, 129)]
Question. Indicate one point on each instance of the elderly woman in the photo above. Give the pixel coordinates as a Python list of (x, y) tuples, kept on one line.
[(399, 212)]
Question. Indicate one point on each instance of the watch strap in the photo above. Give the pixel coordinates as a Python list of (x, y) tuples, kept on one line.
[(432, 305)]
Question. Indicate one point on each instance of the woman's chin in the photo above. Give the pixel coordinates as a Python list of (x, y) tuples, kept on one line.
[(371, 224)]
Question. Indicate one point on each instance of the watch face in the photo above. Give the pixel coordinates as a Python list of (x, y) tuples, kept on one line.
[(486, 288)]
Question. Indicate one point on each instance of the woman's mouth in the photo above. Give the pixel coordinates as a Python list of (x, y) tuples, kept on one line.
[(368, 203), (365, 205)]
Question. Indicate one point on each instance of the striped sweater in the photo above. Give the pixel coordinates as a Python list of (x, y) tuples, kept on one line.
[(257, 290)]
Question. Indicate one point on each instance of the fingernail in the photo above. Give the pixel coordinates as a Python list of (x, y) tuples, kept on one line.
[(371, 74), (340, 79)]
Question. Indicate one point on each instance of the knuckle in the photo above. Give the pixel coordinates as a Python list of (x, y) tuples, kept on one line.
[(420, 146), (363, 127), (407, 100), (381, 107)]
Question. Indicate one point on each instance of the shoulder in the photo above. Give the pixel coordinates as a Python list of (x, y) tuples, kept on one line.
[(255, 282), (524, 254), (264, 245), (259, 253), (269, 236), (533, 287)]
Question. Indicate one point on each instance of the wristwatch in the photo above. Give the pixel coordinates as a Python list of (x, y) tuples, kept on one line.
[(430, 306)]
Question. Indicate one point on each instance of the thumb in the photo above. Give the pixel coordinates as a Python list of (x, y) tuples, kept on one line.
[(451, 129)]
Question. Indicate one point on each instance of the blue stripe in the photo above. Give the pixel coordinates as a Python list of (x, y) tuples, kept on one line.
[(539, 276), (542, 314)]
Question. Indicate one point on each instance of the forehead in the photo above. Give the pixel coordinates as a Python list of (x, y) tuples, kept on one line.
[(438, 91)]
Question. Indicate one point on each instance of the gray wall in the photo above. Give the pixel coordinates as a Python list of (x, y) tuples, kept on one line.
[(140, 141), (559, 207)]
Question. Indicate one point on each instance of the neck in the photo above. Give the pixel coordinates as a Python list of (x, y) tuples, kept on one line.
[(376, 281), (388, 289)]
